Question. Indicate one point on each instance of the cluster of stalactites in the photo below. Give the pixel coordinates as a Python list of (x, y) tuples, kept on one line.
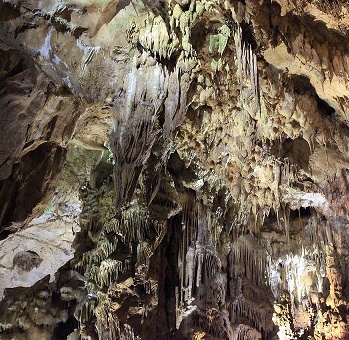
[(147, 92), (305, 302), (248, 261), (155, 37), (200, 263), (102, 267), (247, 70), (131, 225), (198, 260), (102, 251), (256, 313), (301, 272), (270, 177), (248, 266), (106, 273), (131, 143), (86, 312), (185, 20)]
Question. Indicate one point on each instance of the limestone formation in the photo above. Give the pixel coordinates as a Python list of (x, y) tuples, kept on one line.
[(174, 169)]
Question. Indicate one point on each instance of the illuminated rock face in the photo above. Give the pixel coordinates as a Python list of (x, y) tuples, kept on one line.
[(174, 170)]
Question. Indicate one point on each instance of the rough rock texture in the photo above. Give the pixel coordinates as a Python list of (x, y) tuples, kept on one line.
[(174, 169)]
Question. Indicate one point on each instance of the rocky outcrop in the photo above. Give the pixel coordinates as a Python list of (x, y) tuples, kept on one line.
[(174, 170)]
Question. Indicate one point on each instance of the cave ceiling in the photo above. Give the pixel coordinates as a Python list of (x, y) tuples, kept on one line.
[(174, 169)]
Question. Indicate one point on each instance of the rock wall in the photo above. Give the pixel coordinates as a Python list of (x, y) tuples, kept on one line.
[(174, 169)]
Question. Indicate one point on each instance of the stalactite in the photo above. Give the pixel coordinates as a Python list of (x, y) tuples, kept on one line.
[(87, 311), (317, 232), (131, 142), (90, 209), (189, 221), (112, 225), (244, 252), (132, 225), (198, 261), (212, 263), (161, 229), (108, 272), (189, 269), (286, 217), (136, 121), (154, 37), (144, 252), (256, 313), (239, 52), (104, 249), (288, 173), (186, 256), (247, 68)]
